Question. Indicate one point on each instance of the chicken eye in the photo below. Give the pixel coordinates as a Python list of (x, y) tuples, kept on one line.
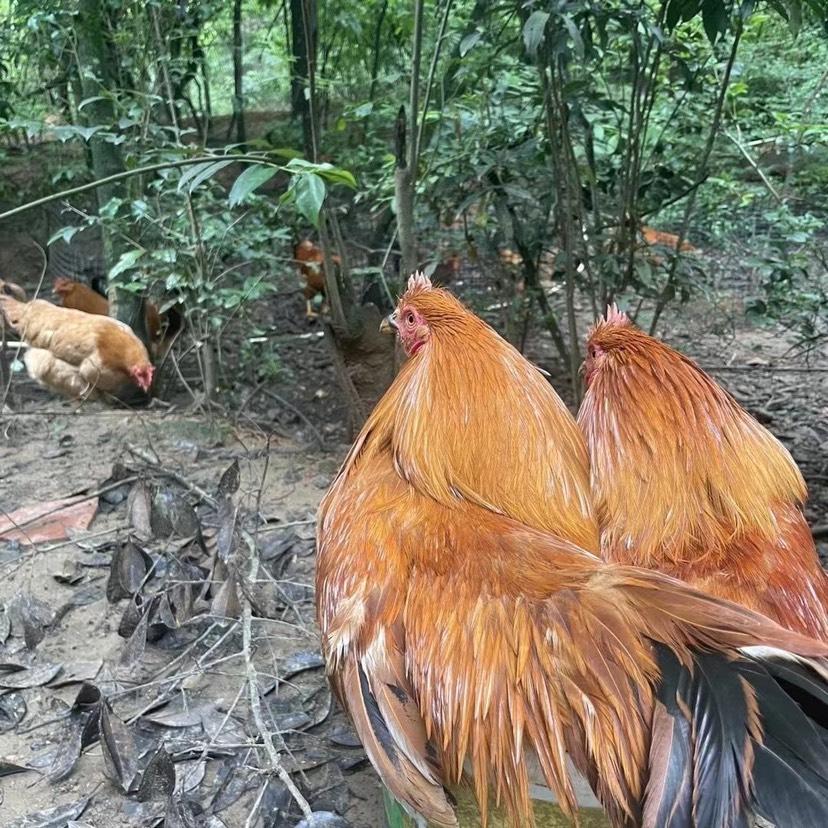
[(409, 318)]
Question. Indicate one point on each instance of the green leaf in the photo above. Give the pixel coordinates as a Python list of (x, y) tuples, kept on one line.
[(533, 31), (335, 175), (714, 18), (126, 262), (468, 42), (199, 173), (301, 164), (689, 9), (310, 193), (285, 152), (64, 233), (673, 14), (64, 133), (86, 101), (251, 179), (577, 40)]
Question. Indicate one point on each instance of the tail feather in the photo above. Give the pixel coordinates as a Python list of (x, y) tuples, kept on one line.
[(669, 794), (786, 791), (705, 755), (807, 688), (724, 719), (736, 738), (790, 778), (404, 779)]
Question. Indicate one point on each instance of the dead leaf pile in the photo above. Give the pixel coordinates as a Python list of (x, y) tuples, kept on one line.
[(168, 718)]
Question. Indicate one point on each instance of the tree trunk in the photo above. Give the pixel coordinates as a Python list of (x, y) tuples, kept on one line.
[(404, 191), (238, 71), (304, 37), (98, 77)]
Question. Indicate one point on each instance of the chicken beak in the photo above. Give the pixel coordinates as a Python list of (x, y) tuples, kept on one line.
[(389, 324)]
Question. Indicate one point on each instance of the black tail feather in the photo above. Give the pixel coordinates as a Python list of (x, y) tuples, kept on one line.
[(706, 769)]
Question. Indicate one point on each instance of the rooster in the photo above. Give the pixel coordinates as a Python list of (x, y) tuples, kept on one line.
[(687, 482), (76, 353), (311, 261), (161, 327), (463, 639)]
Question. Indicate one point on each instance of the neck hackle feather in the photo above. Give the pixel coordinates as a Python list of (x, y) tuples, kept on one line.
[(471, 395), (686, 481)]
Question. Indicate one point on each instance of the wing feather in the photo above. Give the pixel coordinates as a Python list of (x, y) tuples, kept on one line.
[(404, 778)]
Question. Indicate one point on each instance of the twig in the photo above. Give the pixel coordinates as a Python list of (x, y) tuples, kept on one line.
[(260, 389), (255, 700), (254, 811), (749, 369), (253, 685), (276, 526), (168, 668), (755, 167), (155, 463), (80, 498), (81, 539)]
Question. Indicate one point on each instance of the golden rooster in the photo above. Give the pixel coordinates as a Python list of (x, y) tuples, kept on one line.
[(77, 353), (687, 482), (464, 641)]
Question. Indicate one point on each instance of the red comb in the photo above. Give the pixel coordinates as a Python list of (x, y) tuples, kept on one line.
[(419, 280), (615, 316)]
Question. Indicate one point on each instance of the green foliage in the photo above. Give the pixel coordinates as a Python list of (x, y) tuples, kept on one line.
[(576, 114)]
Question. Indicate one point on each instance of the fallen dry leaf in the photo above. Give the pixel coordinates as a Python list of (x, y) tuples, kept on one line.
[(48, 521)]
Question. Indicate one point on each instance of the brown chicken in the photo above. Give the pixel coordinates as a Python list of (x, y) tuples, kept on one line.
[(687, 482), (79, 296), (311, 262), (75, 352), (444, 271), (658, 238), (459, 638)]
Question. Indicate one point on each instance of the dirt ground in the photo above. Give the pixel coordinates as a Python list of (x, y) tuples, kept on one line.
[(167, 680)]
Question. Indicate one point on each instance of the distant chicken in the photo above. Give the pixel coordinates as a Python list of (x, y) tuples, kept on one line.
[(311, 261), (462, 640), (77, 353), (79, 296), (160, 327), (687, 482), (654, 242), (446, 270), (658, 238)]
